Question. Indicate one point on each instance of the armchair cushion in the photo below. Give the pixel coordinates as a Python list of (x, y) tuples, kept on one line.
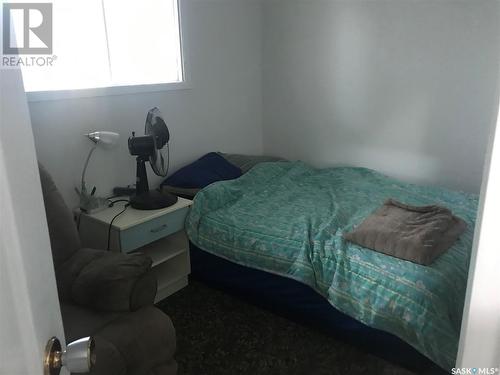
[(109, 281), (68, 272), (144, 334)]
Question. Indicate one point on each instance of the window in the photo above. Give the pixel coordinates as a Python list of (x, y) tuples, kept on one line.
[(109, 43)]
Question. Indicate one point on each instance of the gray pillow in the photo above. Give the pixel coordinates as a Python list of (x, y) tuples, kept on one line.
[(247, 162), (416, 234)]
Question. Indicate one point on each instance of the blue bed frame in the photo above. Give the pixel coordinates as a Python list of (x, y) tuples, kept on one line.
[(302, 304)]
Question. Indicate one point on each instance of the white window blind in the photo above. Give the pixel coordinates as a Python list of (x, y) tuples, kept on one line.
[(107, 43)]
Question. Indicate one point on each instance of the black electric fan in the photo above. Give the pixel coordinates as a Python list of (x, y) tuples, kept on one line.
[(152, 147)]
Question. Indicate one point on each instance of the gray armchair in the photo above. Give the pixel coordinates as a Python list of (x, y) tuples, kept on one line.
[(109, 296)]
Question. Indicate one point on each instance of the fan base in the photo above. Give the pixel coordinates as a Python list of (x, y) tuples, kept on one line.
[(152, 200)]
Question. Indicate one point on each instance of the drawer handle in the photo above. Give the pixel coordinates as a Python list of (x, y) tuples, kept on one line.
[(159, 229)]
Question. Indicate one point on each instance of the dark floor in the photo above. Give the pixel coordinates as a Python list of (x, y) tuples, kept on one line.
[(218, 334)]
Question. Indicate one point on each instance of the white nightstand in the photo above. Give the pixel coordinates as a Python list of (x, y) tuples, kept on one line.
[(158, 233)]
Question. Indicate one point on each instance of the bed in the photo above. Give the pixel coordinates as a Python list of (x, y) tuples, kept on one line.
[(286, 220)]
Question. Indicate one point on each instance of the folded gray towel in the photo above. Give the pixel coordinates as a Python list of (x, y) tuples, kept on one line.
[(417, 234)]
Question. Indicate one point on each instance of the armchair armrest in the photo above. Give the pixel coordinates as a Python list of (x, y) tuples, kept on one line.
[(110, 281)]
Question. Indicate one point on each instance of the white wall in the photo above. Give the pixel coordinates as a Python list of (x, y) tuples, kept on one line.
[(405, 87), (480, 334), (221, 112)]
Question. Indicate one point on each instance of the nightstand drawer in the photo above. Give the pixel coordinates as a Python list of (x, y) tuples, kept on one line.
[(152, 230)]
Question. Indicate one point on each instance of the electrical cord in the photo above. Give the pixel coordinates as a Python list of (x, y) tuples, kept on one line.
[(112, 203), (113, 219)]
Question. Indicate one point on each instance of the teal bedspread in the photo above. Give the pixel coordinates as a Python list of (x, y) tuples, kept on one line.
[(288, 218)]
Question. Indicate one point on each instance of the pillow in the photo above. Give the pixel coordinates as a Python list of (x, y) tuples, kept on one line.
[(247, 162), (417, 234), (206, 170)]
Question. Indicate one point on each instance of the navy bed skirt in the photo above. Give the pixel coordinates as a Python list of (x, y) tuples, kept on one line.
[(300, 303)]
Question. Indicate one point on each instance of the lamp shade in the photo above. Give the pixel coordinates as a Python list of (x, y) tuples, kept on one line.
[(104, 137)]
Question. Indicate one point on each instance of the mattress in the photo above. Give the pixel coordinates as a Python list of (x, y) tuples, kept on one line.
[(288, 218), (300, 303)]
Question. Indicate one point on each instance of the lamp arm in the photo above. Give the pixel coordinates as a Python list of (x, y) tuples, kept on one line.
[(84, 189)]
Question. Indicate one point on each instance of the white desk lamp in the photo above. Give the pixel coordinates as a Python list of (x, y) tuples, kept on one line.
[(88, 202)]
